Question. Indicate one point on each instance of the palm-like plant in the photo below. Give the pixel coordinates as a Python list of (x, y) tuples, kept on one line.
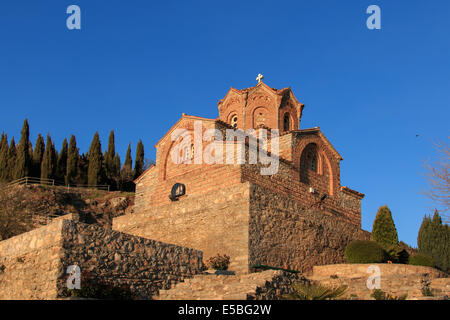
[(315, 291)]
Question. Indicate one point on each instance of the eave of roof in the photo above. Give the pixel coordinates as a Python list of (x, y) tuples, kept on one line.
[(184, 116), (136, 181)]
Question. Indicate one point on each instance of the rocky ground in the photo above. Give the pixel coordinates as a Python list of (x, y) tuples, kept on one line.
[(44, 203)]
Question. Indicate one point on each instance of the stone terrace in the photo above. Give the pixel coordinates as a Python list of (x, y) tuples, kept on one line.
[(396, 279), (35, 263)]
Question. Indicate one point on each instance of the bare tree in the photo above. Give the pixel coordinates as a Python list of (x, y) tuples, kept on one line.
[(438, 178)]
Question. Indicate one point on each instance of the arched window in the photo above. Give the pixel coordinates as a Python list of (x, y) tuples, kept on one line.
[(234, 120), (309, 161), (286, 122)]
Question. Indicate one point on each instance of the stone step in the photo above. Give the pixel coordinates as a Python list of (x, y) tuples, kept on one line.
[(229, 287)]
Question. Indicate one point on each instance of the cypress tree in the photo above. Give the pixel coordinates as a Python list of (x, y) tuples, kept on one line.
[(117, 165), (82, 170), (116, 175), (434, 240), (23, 160), (127, 166), (109, 158), (384, 231), (38, 154), (95, 173), (72, 161), (139, 161), (61, 166), (11, 160), (2, 141), (126, 175), (48, 166), (4, 157)]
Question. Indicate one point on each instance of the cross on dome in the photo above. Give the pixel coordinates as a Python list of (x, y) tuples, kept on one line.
[(259, 77)]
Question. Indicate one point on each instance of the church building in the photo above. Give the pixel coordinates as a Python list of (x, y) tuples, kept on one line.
[(294, 218)]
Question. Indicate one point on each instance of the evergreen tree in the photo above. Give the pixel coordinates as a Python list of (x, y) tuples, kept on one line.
[(61, 166), (139, 161), (126, 175), (38, 154), (95, 169), (110, 168), (2, 141), (11, 160), (4, 157), (116, 176), (384, 231), (127, 166), (48, 165), (72, 161), (82, 171), (23, 160), (434, 240)]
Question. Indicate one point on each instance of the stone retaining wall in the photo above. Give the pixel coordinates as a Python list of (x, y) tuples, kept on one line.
[(395, 279), (284, 233), (216, 223), (143, 265), (386, 269), (30, 263), (35, 263)]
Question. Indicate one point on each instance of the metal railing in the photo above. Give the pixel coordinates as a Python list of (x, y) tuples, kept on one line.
[(55, 183)]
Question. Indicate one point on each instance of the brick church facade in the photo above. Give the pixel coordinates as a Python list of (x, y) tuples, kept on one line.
[(298, 217)]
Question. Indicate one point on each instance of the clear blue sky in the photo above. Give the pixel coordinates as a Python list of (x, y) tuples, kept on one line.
[(135, 66)]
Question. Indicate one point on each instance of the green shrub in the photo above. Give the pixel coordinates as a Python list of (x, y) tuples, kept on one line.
[(427, 292), (384, 231), (363, 251), (397, 254), (421, 260), (315, 291), (378, 294)]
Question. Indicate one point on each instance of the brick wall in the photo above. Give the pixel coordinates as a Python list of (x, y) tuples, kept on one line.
[(286, 182)]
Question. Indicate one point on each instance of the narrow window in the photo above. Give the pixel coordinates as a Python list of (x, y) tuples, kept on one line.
[(308, 162), (234, 122), (286, 122)]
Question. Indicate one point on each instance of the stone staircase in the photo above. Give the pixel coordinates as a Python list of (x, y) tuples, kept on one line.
[(396, 280), (266, 285)]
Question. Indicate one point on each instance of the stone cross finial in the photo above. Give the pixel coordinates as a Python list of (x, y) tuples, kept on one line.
[(259, 77)]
